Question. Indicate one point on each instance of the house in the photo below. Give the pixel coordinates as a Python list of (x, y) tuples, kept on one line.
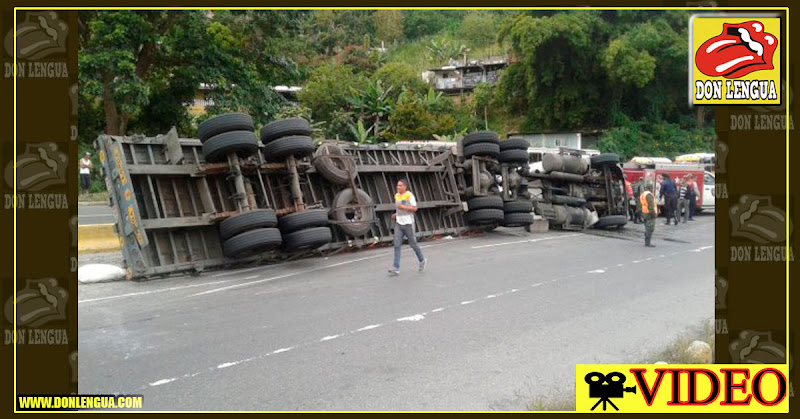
[(460, 77), (203, 99), (579, 140)]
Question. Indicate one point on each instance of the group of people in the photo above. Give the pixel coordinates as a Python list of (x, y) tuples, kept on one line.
[(678, 198)]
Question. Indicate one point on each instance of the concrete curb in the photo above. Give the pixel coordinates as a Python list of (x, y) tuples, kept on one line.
[(97, 238)]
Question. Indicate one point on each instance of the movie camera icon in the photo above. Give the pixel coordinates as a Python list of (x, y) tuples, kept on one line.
[(607, 387)]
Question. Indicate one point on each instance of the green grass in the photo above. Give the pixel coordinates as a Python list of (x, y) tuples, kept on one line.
[(93, 197), (674, 353)]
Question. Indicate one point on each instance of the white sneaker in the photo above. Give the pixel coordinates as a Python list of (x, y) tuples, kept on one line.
[(394, 272), (423, 264)]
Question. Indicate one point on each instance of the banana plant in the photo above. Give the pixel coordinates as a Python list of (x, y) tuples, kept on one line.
[(361, 134), (372, 104)]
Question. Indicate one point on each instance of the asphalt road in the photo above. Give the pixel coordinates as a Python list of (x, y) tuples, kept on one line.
[(497, 320), (94, 214)]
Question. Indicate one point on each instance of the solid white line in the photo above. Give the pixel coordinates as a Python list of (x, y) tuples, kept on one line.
[(135, 294), (307, 271), (524, 241), (372, 326)]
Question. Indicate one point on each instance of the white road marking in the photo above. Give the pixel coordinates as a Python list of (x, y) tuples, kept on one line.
[(370, 327), (226, 365), (164, 381), (251, 277), (287, 275), (135, 294), (596, 271), (414, 318), (524, 241)]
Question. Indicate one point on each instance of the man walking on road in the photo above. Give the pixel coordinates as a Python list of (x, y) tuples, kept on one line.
[(406, 205), (648, 206)]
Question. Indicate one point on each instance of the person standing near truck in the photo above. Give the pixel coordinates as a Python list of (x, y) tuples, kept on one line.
[(406, 205), (693, 194), (683, 200), (670, 198), (85, 170), (648, 205)]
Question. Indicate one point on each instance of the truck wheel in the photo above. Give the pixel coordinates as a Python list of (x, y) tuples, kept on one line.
[(603, 159), (610, 221), (303, 219), (485, 202), (513, 156), (357, 221), (568, 200), (259, 218), (517, 206), (518, 219), (297, 145), (480, 137), (482, 149), (285, 128), (252, 242), (310, 238), (514, 143), (485, 216), (243, 143), (224, 123), (337, 170)]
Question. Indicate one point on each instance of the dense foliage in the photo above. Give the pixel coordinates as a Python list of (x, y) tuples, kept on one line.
[(623, 72)]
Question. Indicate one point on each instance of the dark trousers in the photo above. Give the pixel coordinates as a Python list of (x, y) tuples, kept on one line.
[(671, 207), (692, 206), (86, 182)]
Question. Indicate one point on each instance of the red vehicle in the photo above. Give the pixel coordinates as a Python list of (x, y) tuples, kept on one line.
[(640, 167)]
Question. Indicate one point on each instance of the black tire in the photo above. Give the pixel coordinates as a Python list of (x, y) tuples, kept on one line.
[(568, 200), (513, 156), (243, 143), (480, 137), (514, 143), (482, 149), (518, 219), (511, 207), (258, 218), (303, 219), (485, 216), (280, 149), (224, 123), (285, 128), (345, 216), (310, 238), (610, 221), (485, 202), (605, 158), (337, 170), (252, 242)]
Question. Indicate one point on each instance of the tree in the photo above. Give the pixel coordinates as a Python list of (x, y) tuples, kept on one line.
[(479, 28), (398, 76), (389, 25), (328, 90), (143, 66), (481, 97)]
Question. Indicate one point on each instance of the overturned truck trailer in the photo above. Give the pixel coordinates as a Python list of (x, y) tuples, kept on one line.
[(229, 198)]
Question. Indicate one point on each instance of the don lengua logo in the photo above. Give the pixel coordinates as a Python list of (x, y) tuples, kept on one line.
[(735, 60), (739, 50)]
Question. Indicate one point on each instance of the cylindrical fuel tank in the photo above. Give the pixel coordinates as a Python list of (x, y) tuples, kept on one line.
[(564, 163)]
